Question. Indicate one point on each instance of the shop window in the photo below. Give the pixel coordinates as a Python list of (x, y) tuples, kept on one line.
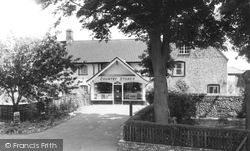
[(213, 88), (83, 70), (179, 69), (103, 91), (132, 91)]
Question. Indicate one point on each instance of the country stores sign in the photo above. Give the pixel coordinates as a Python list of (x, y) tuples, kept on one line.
[(114, 79)]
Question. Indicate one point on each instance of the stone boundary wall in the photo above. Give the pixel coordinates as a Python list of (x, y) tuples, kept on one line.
[(219, 106), (136, 146)]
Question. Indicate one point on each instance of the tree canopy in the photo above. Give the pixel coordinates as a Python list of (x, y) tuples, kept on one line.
[(32, 68), (193, 23), (235, 14)]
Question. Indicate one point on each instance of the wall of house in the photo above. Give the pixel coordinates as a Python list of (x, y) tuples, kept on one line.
[(202, 67), (236, 84), (115, 69), (92, 69)]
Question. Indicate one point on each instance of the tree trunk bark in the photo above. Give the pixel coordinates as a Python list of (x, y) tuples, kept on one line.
[(15, 107), (158, 57)]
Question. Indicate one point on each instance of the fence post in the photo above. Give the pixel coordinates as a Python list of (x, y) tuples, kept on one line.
[(130, 108), (246, 77)]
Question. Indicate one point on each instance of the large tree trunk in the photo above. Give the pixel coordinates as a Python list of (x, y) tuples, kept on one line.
[(158, 56), (15, 107)]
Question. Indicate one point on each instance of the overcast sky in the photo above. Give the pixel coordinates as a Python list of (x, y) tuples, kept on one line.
[(25, 18)]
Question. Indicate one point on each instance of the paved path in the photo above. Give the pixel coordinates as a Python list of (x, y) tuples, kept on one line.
[(97, 128)]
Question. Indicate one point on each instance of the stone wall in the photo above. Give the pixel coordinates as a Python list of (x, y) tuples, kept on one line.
[(219, 106)]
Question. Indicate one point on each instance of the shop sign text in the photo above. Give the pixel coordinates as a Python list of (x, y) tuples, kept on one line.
[(117, 79)]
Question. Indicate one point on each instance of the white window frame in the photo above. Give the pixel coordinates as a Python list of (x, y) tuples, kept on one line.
[(177, 69), (83, 70), (184, 50), (215, 89)]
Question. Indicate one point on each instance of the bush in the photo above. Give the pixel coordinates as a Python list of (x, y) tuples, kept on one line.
[(182, 106), (150, 97)]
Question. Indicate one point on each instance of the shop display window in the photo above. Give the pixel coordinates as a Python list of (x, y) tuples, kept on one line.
[(103, 91), (132, 91)]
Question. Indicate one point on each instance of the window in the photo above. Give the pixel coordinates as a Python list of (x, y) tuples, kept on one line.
[(85, 88), (103, 91), (103, 65), (184, 50), (83, 70), (179, 69), (213, 88), (132, 91)]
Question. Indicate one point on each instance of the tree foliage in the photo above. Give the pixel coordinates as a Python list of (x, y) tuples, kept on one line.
[(235, 14), (33, 68), (147, 66), (193, 23)]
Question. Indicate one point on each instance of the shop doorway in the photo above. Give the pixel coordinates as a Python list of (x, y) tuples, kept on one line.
[(117, 94)]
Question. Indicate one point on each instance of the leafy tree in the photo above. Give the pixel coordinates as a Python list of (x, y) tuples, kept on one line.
[(147, 66), (235, 14), (33, 68), (181, 22)]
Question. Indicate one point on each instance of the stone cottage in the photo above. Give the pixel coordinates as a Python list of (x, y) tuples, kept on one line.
[(199, 71)]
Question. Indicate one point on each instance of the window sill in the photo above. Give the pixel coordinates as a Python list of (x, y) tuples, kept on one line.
[(178, 75), (184, 54)]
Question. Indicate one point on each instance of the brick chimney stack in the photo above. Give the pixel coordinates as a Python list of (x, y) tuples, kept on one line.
[(69, 36)]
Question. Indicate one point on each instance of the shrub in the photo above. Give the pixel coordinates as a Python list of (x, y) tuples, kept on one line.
[(150, 97), (181, 105), (181, 86)]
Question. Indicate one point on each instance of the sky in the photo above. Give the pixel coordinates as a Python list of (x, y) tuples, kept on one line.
[(26, 18)]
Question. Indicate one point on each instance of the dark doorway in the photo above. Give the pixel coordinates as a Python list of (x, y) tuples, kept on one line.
[(117, 94)]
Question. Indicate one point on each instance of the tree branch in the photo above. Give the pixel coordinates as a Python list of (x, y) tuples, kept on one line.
[(76, 3)]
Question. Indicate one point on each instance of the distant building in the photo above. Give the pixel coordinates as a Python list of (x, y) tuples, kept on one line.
[(236, 84)]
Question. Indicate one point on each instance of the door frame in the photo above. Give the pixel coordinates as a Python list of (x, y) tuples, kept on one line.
[(119, 100)]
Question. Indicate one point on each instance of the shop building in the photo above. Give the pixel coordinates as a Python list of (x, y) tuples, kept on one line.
[(117, 83), (108, 71)]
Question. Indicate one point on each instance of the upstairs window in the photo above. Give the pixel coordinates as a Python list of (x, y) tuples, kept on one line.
[(103, 65), (179, 69), (83, 70), (184, 50), (213, 89)]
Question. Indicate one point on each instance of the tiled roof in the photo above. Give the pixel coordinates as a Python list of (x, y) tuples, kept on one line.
[(233, 70), (94, 51)]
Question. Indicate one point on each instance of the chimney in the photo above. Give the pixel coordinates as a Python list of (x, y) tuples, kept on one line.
[(69, 36)]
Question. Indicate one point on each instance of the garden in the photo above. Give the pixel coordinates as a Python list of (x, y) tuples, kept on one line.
[(198, 122), (36, 84), (39, 116)]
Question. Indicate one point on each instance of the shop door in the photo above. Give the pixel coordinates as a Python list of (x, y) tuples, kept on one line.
[(117, 94)]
